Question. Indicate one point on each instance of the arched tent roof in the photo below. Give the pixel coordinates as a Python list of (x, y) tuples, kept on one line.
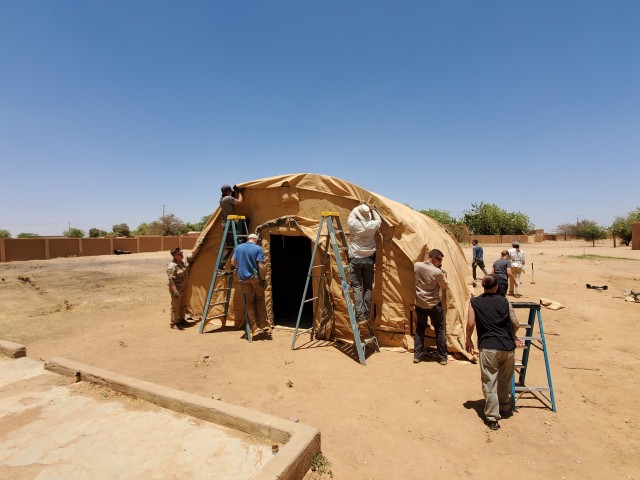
[(292, 205)]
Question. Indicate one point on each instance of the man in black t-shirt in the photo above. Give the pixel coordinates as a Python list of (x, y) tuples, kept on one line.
[(496, 324)]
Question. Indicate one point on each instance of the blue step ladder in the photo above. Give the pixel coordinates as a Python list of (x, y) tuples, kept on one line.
[(335, 240), (234, 228), (530, 340)]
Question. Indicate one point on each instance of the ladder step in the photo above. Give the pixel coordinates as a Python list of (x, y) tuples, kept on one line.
[(222, 289), (519, 365), (218, 303), (525, 325), (310, 300), (530, 338), (217, 316), (531, 389)]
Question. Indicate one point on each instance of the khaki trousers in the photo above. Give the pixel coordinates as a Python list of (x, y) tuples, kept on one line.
[(496, 371), (178, 307), (253, 292), (513, 289)]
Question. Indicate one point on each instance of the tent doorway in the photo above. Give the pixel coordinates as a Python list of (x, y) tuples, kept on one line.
[(290, 259)]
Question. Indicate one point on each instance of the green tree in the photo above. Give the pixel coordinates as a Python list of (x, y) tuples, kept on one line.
[(590, 231), (517, 223), (28, 235), (197, 227), (5, 234), (142, 230), (566, 229), (167, 225), (489, 219), (121, 230), (172, 225), (96, 232), (73, 233), (156, 227), (442, 216), (484, 219), (621, 226)]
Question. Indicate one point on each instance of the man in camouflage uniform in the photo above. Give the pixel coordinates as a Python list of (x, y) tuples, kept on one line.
[(177, 272)]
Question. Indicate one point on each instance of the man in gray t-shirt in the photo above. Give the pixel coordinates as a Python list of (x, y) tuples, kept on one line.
[(429, 280), (502, 270), (228, 204)]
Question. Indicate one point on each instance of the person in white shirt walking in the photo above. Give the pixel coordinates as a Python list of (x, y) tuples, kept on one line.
[(517, 268), (363, 225)]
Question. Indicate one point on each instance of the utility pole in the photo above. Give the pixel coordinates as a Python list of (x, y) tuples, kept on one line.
[(69, 231), (164, 225), (577, 217)]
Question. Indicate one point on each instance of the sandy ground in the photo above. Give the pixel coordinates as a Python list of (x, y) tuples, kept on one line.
[(389, 419)]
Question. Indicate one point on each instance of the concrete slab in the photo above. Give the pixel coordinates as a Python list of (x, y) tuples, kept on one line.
[(53, 427)]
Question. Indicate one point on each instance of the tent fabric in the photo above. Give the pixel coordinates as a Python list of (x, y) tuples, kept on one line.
[(291, 205)]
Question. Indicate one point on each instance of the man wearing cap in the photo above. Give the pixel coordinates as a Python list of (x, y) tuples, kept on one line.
[(177, 272), (517, 267), (248, 258), (430, 278), (228, 202), (363, 224)]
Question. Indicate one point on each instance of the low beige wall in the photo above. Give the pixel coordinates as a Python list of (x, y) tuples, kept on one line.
[(65, 247), (97, 246), (498, 239), (15, 249), (44, 248)]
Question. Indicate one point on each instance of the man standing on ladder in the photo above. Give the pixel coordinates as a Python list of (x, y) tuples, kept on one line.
[(228, 201), (363, 224), (248, 257), (497, 325)]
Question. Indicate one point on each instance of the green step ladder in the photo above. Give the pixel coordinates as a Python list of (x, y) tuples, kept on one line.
[(335, 240), (236, 225), (531, 340)]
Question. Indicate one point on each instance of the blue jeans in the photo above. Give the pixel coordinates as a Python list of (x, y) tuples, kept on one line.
[(436, 314), (361, 279)]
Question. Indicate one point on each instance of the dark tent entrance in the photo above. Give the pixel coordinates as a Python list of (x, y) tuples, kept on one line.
[(290, 259)]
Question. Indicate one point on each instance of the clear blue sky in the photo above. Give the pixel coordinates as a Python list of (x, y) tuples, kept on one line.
[(111, 109)]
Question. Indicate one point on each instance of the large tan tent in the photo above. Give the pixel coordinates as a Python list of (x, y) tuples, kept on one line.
[(285, 211)]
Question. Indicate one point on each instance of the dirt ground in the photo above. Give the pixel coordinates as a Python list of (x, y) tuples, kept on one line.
[(392, 418)]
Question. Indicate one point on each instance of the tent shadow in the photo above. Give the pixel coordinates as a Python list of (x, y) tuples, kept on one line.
[(218, 328), (258, 337), (346, 348), (351, 351), (477, 405), (315, 344)]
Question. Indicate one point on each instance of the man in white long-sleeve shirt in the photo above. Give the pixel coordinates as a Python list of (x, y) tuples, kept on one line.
[(363, 224)]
